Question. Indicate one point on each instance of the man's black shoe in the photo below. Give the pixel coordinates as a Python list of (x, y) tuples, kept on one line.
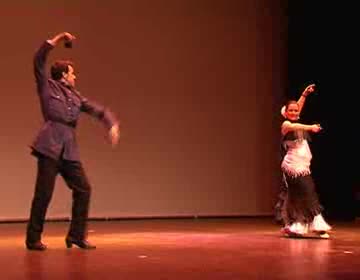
[(36, 246), (83, 244)]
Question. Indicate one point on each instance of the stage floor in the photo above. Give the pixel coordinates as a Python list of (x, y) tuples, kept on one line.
[(187, 249)]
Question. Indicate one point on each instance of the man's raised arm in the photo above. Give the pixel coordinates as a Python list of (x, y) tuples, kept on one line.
[(41, 56)]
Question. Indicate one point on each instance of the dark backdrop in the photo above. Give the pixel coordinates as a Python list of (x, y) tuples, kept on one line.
[(322, 50)]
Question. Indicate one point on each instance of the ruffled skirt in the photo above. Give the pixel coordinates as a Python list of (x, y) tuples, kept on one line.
[(299, 209)]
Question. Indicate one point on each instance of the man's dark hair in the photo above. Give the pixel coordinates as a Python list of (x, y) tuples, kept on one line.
[(60, 67)]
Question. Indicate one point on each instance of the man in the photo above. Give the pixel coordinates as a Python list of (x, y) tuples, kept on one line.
[(55, 145)]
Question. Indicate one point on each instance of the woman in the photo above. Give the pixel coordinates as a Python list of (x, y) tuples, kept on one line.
[(301, 210)]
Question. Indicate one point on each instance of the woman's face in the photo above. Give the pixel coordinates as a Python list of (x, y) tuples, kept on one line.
[(292, 112)]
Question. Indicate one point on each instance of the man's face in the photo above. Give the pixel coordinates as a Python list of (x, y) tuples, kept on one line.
[(70, 76)]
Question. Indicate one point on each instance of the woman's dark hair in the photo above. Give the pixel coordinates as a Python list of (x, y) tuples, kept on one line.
[(60, 67), (289, 103)]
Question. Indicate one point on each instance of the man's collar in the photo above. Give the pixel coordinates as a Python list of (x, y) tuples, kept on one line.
[(66, 83)]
